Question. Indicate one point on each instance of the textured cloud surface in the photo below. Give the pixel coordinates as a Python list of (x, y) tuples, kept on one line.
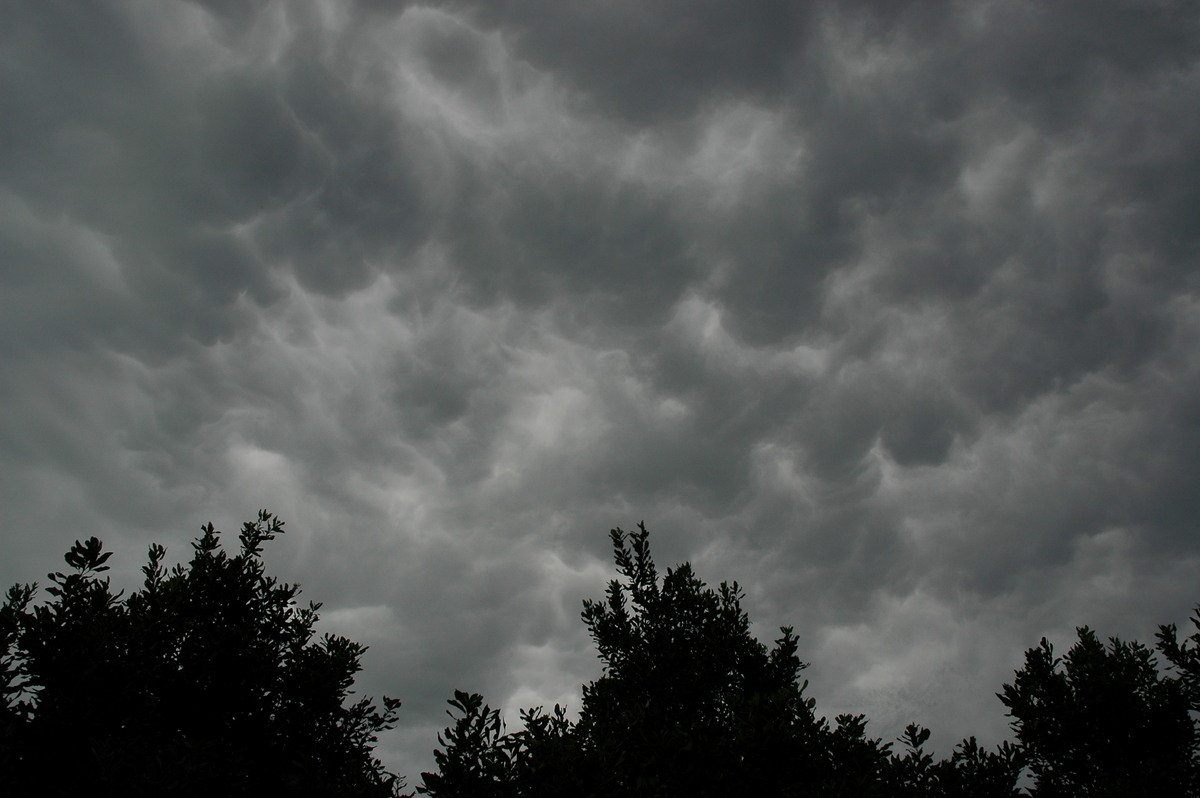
[(889, 311)]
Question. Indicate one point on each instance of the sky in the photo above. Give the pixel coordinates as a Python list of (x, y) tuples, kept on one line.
[(889, 311)]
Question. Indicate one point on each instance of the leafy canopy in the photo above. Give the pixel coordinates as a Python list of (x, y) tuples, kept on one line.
[(205, 681), (1103, 721), (691, 704)]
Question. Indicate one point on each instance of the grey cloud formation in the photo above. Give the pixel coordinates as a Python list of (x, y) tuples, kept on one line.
[(887, 310)]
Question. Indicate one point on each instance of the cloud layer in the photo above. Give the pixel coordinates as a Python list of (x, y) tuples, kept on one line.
[(889, 311)]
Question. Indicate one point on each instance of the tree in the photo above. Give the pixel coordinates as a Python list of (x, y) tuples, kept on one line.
[(205, 681), (1183, 658), (691, 704), (1102, 720), (480, 758), (689, 698)]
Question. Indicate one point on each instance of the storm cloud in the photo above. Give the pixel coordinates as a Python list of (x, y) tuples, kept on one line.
[(889, 311)]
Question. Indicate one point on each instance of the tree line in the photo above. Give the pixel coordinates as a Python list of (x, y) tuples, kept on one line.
[(209, 679)]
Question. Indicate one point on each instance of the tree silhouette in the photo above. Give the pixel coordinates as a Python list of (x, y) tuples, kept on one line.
[(206, 681), (1184, 658), (1102, 721), (691, 704)]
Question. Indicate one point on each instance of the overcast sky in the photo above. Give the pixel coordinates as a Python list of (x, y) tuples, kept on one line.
[(889, 311)]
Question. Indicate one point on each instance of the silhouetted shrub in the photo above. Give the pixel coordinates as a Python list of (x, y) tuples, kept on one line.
[(206, 681), (691, 704), (1102, 720)]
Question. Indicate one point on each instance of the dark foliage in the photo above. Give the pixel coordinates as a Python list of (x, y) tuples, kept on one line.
[(1184, 658), (691, 704), (206, 681), (1102, 720)]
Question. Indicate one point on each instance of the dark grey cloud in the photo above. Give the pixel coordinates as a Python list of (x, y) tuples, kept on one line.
[(887, 310), (660, 61)]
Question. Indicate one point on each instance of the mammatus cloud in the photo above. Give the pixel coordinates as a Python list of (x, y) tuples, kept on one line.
[(888, 311)]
